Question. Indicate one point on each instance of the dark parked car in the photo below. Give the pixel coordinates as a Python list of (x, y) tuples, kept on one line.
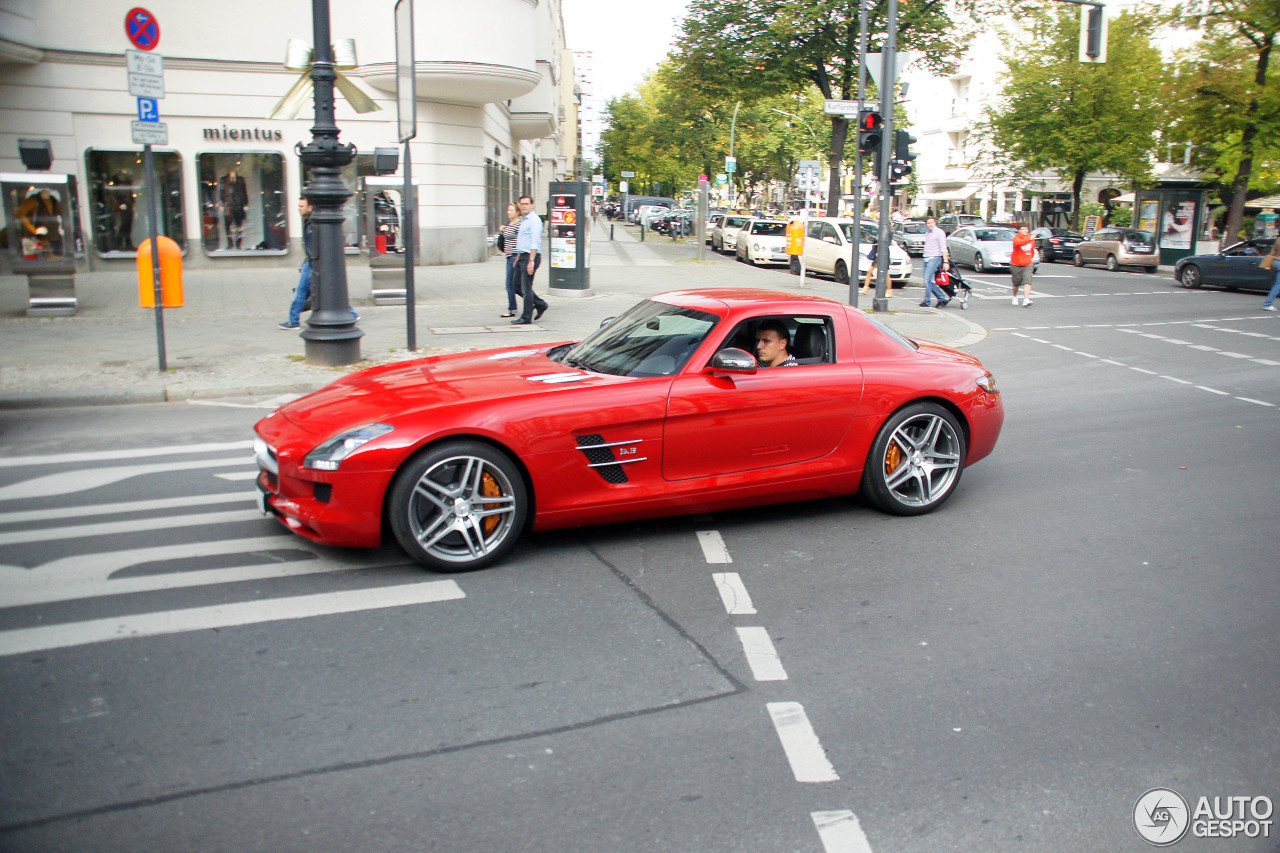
[(1056, 243), (951, 221), (1235, 267)]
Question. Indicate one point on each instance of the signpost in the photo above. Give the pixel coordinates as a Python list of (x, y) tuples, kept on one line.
[(146, 83), (407, 123)]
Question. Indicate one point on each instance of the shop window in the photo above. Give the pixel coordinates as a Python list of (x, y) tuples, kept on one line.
[(118, 201), (40, 210), (243, 208), (352, 222)]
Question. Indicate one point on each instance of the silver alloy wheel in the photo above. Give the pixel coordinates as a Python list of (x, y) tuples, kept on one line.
[(1077, 259), (1191, 276), (458, 506), (922, 460), (979, 265), (1112, 264)]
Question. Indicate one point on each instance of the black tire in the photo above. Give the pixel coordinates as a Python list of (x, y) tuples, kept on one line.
[(979, 265), (1112, 264), (916, 461), (1077, 259), (795, 265), (458, 506), (841, 273)]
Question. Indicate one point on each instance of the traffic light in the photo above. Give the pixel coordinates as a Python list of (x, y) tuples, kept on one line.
[(1093, 33), (902, 157), (869, 125)]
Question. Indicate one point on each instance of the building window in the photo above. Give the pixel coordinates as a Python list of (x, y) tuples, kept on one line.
[(500, 190), (353, 227), (118, 201), (243, 208)]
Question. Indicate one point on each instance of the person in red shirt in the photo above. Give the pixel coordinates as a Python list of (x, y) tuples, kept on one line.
[(1020, 264)]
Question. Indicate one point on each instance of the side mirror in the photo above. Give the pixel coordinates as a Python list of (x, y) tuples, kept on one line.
[(733, 361)]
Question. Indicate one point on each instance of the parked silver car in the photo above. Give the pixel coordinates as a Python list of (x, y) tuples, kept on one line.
[(981, 247)]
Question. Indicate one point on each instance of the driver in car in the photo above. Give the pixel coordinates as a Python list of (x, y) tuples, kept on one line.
[(773, 345)]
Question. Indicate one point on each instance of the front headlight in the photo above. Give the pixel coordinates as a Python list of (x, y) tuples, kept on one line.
[(987, 383), (328, 456)]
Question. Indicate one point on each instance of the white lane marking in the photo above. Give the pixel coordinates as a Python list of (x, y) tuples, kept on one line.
[(90, 575), (1234, 354), (68, 482), (737, 602), (123, 507), (1176, 379), (804, 751), (840, 832), (1256, 402), (239, 475), (26, 640), (1268, 362), (1144, 370), (1212, 390), (136, 453), (713, 547), (111, 528), (761, 655)]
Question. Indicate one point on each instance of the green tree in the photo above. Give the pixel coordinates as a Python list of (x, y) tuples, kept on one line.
[(766, 48), (1072, 118), (1229, 103)]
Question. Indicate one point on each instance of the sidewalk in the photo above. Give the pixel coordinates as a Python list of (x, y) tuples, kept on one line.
[(224, 342)]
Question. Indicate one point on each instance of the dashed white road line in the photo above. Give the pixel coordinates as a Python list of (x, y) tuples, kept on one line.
[(804, 752), (840, 832), (737, 601), (761, 655), (713, 547)]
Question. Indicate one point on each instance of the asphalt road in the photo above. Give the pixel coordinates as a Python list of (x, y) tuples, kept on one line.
[(1093, 615)]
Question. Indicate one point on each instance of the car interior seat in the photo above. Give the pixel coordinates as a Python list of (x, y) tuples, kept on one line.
[(810, 343)]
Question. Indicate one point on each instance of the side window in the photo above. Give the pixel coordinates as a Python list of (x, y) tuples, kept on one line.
[(815, 230), (829, 233), (812, 340)]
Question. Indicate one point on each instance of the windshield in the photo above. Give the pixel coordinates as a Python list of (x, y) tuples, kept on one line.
[(770, 229), (915, 228), (735, 221), (650, 339), (993, 235)]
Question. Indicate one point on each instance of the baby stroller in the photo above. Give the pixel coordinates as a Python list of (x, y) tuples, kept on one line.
[(952, 283)]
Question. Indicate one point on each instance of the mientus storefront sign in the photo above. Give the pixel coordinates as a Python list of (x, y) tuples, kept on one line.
[(239, 133)]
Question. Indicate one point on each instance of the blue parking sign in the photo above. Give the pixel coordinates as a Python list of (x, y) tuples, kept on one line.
[(148, 109)]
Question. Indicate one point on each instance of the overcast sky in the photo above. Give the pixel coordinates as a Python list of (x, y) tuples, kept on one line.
[(628, 38)]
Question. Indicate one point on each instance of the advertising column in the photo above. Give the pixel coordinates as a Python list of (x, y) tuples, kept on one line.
[(569, 228)]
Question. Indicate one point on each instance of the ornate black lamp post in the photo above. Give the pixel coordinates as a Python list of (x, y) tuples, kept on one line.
[(331, 335)]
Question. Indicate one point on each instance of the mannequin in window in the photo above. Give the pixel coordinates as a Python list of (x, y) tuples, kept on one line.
[(119, 203), (40, 215), (234, 195)]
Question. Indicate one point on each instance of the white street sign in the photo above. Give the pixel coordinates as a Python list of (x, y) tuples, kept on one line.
[(144, 63), (146, 85), (840, 108), (149, 132)]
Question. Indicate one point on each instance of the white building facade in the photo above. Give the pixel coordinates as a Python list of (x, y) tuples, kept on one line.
[(496, 119)]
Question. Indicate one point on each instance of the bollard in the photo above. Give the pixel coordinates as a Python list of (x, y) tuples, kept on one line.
[(610, 232)]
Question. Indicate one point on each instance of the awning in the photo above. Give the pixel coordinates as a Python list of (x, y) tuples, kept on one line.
[(1264, 203), (951, 195), (1127, 198)]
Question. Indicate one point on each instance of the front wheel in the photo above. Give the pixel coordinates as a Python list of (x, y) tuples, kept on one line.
[(979, 265), (1078, 259), (1112, 263), (795, 265), (1191, 277), (841, 273), (458, 507), (915, 461)]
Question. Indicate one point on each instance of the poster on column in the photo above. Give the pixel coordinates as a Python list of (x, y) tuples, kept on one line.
[(564, 233)]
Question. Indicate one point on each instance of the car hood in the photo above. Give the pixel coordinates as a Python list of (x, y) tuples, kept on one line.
[(929, 349), (379, 393)]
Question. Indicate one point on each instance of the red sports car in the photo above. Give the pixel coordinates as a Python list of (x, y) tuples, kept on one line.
[(661, 411)]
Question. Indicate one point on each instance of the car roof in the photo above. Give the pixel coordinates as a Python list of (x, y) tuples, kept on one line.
[(725, 300)]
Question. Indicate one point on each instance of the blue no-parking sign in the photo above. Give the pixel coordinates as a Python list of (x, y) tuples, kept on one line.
[(148, 109), (142, 28)]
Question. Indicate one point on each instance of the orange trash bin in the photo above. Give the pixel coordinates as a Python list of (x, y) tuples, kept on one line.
[(170, 274)]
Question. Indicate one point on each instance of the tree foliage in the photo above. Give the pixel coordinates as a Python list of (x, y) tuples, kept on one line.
[(1228, 100), (1058, 114), (770, 48)]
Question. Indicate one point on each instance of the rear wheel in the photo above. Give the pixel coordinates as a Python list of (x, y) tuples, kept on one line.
[(842, 273), (459, 506), (1191, 277), (915, 461), (1078, 259), (1112, 263)]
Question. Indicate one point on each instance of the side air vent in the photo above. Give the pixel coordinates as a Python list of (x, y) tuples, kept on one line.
[(602, 457)]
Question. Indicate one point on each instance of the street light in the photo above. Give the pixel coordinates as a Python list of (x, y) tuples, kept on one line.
[(331, 336)]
